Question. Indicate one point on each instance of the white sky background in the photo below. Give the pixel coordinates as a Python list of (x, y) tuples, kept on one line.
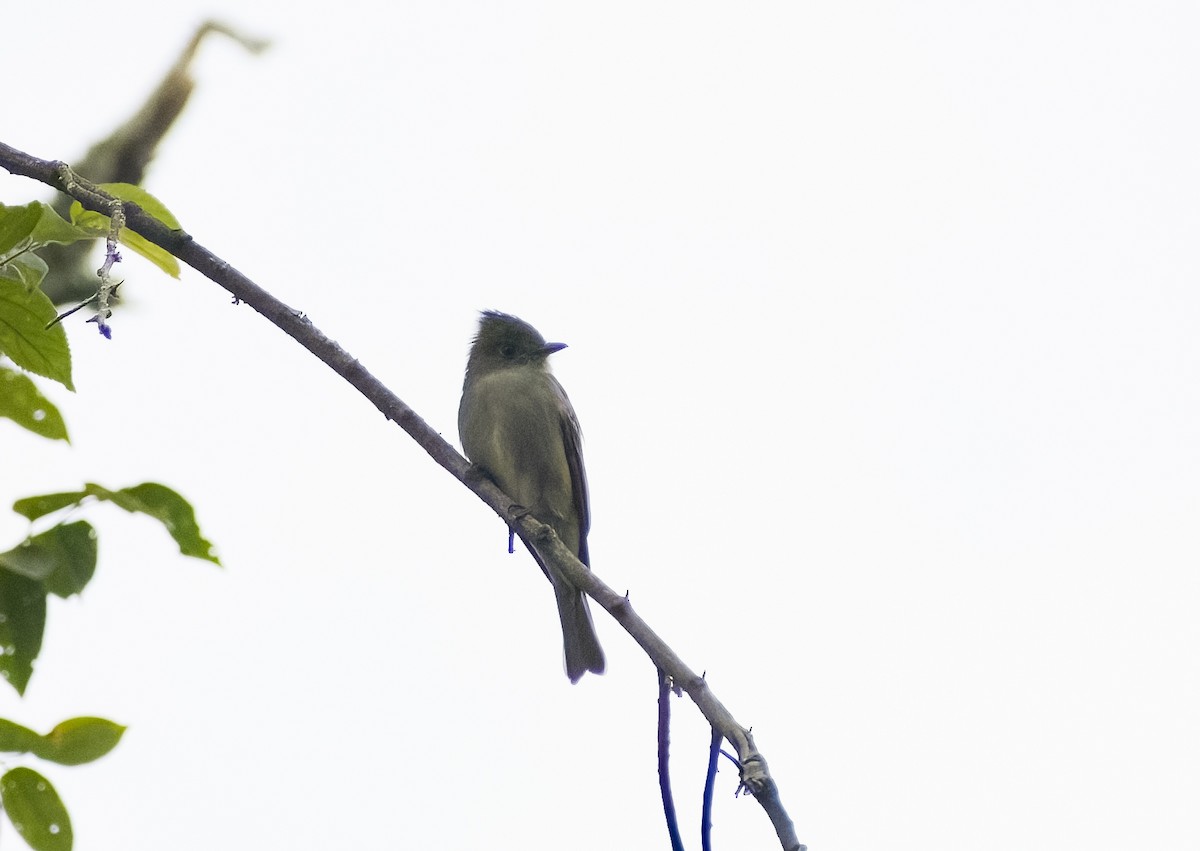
[(882, 324)]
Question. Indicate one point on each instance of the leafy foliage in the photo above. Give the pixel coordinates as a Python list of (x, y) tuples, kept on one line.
[(155, 500), (63, 558), (25, 311), (60, 560), (98, 224), (73, 742), (17, 224), (24, 404), (36, 810), (22, 621)]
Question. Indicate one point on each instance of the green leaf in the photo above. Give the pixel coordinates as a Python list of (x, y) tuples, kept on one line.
[(157, 255), (28, 560), (17, 224), (155, 500), (33, 225), (99, 223), (78, 740), (17, 739), (73, 742), (62, 558), (75, 548), (22, 621), (33, 507), (173, 511), (139, 196), (94, 223), (23, 403), (52, 227), (29, 269), (24, 336), (35, 810)]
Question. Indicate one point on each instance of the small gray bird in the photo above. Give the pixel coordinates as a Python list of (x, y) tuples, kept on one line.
[(516, 423)]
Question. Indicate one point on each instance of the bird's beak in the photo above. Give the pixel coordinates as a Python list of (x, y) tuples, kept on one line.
[(551, 348)]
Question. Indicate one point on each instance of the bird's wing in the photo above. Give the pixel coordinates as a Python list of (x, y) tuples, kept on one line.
[(573, 446)]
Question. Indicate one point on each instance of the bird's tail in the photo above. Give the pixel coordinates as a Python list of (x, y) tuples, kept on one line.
[(581, 647)]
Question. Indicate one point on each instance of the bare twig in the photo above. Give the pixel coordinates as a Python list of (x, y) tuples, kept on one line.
[(664, 760), (710, 782)]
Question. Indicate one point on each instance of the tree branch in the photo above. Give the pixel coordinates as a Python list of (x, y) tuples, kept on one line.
[(664, 759), (755, 777)]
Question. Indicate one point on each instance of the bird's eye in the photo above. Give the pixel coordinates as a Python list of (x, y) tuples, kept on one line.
[(508, 350)]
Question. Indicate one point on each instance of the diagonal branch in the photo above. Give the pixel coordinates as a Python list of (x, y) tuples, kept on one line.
[(755, 777)]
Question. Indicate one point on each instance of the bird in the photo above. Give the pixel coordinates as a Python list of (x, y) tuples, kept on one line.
[(518, 427)]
